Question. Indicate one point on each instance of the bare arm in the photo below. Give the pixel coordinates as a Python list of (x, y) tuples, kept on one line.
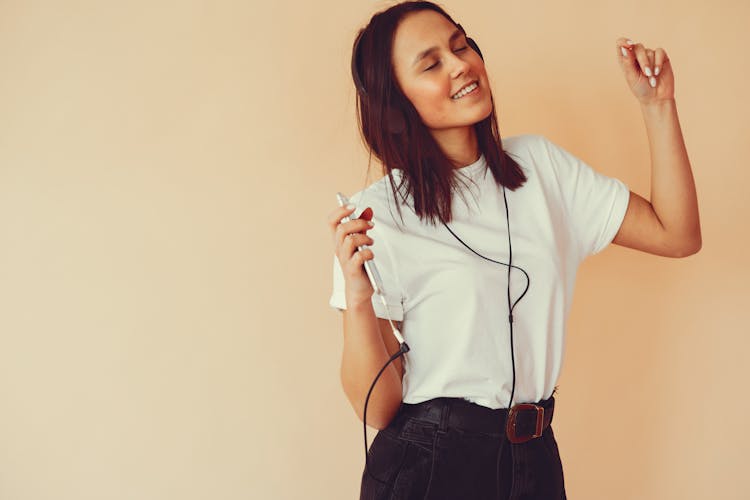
[(673, 193), (668, 224), (367, 340), (365, 353)]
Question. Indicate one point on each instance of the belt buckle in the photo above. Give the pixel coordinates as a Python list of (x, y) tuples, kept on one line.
[(511, 424)]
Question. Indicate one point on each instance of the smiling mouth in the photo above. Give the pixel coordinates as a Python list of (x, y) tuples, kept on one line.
[(469, 89)]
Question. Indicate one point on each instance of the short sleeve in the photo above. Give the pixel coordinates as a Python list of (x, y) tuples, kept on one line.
[(595, 204), (391, 287)]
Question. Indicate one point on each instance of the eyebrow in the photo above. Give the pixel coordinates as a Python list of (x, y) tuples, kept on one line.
[(427, 52)]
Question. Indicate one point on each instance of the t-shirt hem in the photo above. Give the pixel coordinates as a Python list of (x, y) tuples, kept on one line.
[(396, 312), (617, 215)]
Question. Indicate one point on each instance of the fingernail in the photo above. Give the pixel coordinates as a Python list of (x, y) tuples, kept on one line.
[(624, 52), (370, 223), (653, 81), (350, 206), (647, 70), (656, 71)]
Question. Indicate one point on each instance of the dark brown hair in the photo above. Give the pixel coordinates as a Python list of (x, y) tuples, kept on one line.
[(428, 174)]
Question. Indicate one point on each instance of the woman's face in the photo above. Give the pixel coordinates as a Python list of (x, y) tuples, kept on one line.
[(431, 80)]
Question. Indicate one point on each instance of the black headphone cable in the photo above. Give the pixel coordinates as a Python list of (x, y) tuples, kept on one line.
[(510, 317), (404, 348)]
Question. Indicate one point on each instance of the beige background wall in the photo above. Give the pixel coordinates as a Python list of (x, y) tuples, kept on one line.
[(165, 173)]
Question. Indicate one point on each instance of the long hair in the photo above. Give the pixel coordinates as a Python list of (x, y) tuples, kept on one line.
[(427, 173)]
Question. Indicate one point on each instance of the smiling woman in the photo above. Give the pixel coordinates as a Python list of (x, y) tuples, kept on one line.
[(448, 424), (426, 110), (408, 64)]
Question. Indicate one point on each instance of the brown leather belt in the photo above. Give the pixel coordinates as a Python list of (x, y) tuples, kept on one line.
[(524, 421)]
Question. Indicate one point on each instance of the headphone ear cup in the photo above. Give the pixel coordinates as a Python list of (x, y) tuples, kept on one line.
[(474, 46), (355, 66), (395, 122)]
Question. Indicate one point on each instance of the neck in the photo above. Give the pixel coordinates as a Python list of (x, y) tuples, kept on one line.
[(459, 145)]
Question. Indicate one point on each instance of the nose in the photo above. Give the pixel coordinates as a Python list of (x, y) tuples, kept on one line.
[(459, 66)]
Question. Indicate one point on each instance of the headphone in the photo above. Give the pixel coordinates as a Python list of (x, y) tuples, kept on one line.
[(396, 124)]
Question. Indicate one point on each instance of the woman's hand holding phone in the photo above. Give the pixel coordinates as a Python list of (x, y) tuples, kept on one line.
[(347, 236)]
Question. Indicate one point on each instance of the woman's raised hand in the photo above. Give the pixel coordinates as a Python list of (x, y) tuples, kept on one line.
[(648, 72), (347, 236)]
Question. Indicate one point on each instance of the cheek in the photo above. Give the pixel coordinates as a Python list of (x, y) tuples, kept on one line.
[(430, 91), (430, 99)]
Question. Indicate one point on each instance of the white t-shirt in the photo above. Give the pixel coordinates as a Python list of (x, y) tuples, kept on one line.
[(454, 304)]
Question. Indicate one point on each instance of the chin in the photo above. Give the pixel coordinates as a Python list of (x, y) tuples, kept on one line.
[(486, 111), (482, 114)]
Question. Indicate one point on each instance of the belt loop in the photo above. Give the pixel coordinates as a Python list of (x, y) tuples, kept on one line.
[(443, 426)]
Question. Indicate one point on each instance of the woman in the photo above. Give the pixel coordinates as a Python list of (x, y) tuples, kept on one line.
[(468, 413)]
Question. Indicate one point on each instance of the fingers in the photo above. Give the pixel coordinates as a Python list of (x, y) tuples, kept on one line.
[(360, 256), (627, 48), (641, 56), (649, 61), (625, 43), (347, 236), (354, 240), (339, 213), (351, 229), (348, 243), (660, 58), (336, 215)]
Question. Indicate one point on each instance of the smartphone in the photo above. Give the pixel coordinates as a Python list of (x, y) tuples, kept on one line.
[(370, 268)]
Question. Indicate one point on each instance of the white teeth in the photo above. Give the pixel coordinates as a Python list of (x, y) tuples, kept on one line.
[(464, 91)]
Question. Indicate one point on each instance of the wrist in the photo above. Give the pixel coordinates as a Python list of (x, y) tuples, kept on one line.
[(357, 303), (659, 103)]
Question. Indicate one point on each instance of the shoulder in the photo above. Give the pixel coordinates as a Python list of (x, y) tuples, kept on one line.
[(530, 151), (379, 196), (534, 146), (522, 142), (547, 157), (529, 148), (374, 193)]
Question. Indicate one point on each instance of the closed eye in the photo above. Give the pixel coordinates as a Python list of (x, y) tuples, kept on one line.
[(457, 50)]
